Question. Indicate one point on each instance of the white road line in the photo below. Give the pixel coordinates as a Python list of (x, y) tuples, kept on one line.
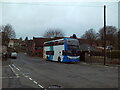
[(35, 82), (13, 71), (16, 67), (40, 86), (8, 77), (26, 76), (30, 78)]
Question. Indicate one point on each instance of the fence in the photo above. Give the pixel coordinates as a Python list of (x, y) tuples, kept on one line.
[(112, 57)]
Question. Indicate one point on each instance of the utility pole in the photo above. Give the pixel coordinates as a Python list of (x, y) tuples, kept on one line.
[(104, 34)]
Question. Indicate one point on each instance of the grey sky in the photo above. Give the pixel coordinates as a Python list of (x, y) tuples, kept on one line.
[(33, 19)]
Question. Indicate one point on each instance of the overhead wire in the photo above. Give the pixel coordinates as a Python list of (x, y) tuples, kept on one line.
[(56, 4)]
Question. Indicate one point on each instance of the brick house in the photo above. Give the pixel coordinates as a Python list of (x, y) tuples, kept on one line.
[(35, 46), (11, 43), (14, 43)]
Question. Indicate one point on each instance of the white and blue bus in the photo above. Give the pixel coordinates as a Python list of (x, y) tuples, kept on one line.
[(62, 50)]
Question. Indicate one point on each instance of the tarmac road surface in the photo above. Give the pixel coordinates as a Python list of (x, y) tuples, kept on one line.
[(33, 72)]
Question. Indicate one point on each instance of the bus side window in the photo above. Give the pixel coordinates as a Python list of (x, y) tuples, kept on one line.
[(63, 52), (49, 52)]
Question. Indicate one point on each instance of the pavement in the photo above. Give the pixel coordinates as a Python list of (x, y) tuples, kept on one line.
[(33, 72)]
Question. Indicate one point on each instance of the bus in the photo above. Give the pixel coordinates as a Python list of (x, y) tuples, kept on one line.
[(62, 50)]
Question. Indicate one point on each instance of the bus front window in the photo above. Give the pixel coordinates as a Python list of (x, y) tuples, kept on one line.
[(73, 47)]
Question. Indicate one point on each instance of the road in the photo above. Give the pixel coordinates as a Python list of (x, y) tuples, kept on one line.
[(33, 72)]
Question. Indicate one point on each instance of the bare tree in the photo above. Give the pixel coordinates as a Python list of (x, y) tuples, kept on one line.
[(53, 33), (90, 35), (7, 33), (111, 35), (110, 32)]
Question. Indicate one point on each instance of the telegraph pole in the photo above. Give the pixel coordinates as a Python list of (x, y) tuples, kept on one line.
[(104, 34)]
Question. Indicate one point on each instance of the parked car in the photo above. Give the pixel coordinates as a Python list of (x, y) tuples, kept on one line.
[(13, 55)]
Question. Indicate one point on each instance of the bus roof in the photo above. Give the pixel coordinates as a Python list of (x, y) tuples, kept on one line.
[(58, 40)]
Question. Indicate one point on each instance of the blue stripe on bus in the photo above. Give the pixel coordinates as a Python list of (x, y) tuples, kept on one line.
[(65, 59)]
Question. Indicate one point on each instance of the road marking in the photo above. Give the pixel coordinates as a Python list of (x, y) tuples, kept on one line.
[(40, 86), (16, 67), (30, 78), (35, 82), (9, 77), (13, 71), (24, 75)]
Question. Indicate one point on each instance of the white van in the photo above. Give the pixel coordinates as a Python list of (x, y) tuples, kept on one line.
[(13, 55)]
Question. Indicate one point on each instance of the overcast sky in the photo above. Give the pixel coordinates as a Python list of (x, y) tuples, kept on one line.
[(33, 19)]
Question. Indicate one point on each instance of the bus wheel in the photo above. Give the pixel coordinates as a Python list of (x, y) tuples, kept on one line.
[(59, 59)]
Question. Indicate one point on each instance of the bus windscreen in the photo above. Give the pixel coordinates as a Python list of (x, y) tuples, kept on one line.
[(73, 47)]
